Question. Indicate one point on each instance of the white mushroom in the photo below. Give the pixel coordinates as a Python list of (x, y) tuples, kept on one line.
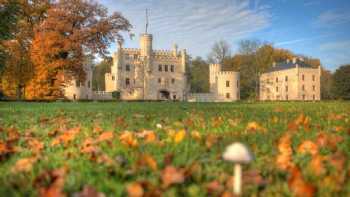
[(239, 154)]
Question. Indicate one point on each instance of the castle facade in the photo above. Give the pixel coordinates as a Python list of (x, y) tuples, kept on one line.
[(148, 74)]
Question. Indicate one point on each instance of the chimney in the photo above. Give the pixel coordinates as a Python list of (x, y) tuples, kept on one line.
[(294, 60)]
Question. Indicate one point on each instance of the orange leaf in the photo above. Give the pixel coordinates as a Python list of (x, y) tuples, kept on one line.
[(135, 190), (172, 175), (308, 146), (106, 136), (24, 165), (298, 185)]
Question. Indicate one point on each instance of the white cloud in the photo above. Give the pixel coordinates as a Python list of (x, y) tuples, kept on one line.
[(337, 45), (333, 17), (336, 53), (195, 24)]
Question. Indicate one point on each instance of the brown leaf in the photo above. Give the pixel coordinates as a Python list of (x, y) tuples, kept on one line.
[(66, 137), (298, 185), (135, 190), (89, 191), (308, 146), (316, 165), (35, 145), (214, 187), (105, 136), (147, 160), (55, 178), (172, 175), (24, 165), (127, 138)]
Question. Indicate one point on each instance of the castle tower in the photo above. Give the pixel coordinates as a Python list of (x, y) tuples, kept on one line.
[(214, 69), (146, 44)]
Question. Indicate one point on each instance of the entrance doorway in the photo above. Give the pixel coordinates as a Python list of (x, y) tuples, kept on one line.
[(164, 95)]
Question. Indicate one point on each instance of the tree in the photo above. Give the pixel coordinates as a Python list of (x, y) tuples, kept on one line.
[(18, 68), (199, 72), (326, 84), (98, 78), (72, 30), (219, 52), (8, 14), (341, 82)]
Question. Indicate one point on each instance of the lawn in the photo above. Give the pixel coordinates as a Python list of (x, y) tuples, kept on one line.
[(173, 149)]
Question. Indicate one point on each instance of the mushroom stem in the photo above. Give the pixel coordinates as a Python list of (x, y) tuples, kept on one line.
[(237, 183)]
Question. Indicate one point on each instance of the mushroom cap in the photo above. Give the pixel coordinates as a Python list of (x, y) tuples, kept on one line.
[(237, 153)]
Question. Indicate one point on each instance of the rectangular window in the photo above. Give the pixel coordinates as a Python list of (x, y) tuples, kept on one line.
[(276, 79), (228, 95), (166, 68), (172, 81), (172, 68), (276, 88), (303, 96), (160, 68), (127, 81), (135, 56), (113, 78), (303, 77), (77, 83), (227, 83), (89, 84), (159, 80), (303, 87), (313, 87), (287, 97), (313, 78), (127, 67), (286, 78), (313, 97), (286, 88)]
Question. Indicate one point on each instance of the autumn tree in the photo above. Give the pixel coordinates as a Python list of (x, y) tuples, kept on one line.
[(18, 69), (8, 15), (341, 82), (72, 30)]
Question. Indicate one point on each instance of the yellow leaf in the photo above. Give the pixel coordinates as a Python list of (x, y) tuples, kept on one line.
[(179, 136)]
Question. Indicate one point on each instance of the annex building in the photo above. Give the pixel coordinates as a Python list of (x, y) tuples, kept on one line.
[(291, 80)]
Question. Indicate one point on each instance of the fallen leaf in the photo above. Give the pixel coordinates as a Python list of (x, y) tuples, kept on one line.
[(172, 175), (179, 136), (308, 146), (298, 185), (89, 191), (24, 165), (105, 136), (135, 190)]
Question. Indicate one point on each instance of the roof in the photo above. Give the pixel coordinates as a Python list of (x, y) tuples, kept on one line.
[(289, 65)]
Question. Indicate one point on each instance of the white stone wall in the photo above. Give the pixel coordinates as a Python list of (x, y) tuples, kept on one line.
[(228, 87), (74, 91), (145, 80), (288, 84)]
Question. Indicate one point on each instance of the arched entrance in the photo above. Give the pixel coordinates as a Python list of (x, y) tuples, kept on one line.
[(164, 95)]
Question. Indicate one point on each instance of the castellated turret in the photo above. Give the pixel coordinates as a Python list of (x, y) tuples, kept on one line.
[(146, 45), (224, 84)]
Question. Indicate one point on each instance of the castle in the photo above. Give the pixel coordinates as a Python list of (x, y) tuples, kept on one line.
[(148, 74), (291, 80)]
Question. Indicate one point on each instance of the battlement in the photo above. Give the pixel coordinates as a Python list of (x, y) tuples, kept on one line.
[(227, 73), (162, 52), (135, 50)]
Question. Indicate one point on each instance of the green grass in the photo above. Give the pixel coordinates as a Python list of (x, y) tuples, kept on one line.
[(42, 118)]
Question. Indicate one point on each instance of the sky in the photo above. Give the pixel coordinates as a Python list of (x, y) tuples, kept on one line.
[(315, 28)]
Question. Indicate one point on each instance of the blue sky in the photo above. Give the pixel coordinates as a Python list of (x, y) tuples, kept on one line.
[(316, 28)]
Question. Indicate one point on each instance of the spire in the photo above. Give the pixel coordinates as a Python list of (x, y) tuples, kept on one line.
[(146, 20)]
